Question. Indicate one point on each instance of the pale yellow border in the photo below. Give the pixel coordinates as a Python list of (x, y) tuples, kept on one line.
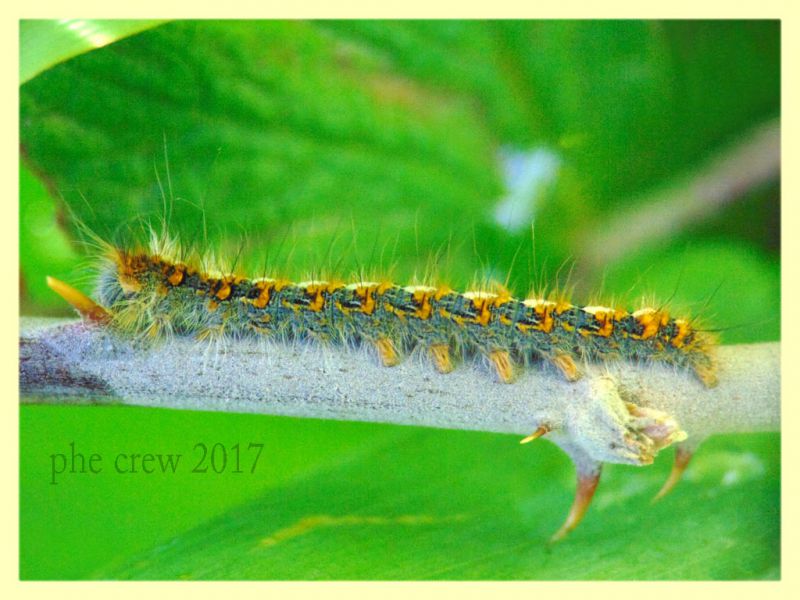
[(785, 10)]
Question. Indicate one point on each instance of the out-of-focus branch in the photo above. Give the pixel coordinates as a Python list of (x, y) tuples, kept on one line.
[(754, 161)]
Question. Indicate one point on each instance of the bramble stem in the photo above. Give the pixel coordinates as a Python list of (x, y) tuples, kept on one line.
[(68, 362)]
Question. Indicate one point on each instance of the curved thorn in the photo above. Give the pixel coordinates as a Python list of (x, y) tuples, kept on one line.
[(587, 484), (87, 307), (540, 431), (682, 457)]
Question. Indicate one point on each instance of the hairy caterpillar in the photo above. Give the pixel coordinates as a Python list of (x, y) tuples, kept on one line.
[(164, 291), (159, 293)]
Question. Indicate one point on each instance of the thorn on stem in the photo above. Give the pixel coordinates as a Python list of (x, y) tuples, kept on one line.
[(88, 308), (540, 431), (682, 457), (587, 484)]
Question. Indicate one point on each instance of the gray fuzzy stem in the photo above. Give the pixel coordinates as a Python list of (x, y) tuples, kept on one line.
[(618, 412)]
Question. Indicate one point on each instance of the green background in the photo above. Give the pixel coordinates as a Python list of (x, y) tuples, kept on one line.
[(369, 145)]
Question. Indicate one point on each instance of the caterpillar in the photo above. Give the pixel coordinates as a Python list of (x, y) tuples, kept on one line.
[(157, 292)]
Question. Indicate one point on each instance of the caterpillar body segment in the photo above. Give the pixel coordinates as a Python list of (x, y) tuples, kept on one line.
[(387, 352), (440, 355), (154, 296)]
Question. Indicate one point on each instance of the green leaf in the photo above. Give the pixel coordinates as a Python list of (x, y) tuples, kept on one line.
[(364, 145), (273, 130), (48, 249), (362, 501), (44, 43)]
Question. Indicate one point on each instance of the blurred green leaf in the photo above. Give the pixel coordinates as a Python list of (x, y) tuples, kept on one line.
[(273, 129), (299, 133), (44, 43), (445, 505), (47, 248)]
